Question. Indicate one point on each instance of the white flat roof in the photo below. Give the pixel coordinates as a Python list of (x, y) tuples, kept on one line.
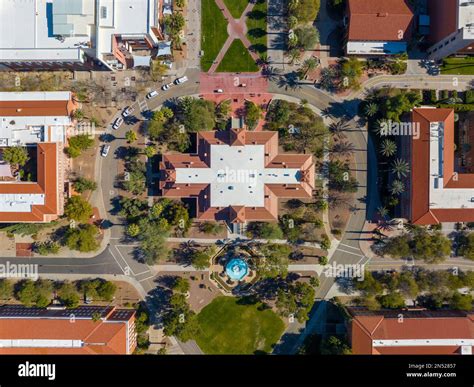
[(466, 18), (35, 95), (123, 17), (376, 48), (441, 197), (19, 202), (26, 32), (237, 175), (40, 343)]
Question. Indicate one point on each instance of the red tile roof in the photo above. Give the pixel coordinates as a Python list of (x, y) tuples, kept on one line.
[(379, 20), (106, 336), (47, 184), (420, 211), (367, 327)]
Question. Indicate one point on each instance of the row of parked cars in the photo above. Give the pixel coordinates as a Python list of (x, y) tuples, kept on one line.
[(129, 110)]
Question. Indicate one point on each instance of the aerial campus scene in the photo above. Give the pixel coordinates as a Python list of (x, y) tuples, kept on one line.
[(282, 177)]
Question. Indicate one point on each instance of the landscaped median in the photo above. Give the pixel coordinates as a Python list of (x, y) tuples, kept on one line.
[(458, 66)]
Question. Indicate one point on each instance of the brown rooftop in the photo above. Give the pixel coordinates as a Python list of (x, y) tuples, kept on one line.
[(379, 20)]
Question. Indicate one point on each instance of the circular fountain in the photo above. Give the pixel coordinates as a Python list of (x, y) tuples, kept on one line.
[(236, 269)]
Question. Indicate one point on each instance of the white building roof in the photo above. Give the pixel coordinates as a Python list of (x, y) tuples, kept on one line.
[(27, 28), (122, 17), (237, 175), (35, 96), (466, 18), (441, 197), (19, 202), (376, 48)]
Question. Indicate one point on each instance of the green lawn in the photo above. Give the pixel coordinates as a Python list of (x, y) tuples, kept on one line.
[(458, 66), (213, 32), (257, 27), (237, 59), (230, 328), (236, 7)]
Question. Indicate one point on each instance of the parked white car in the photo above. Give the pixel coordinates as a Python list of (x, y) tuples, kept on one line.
[(105, 150), (127, 111), (167, 86), (178, 81), (117, 123), (152, 94)]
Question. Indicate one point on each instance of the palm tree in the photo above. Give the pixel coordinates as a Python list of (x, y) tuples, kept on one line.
[(388, 148), (400, 168), (383, 212), (294, 54), (309, 65), (397, 187), (379, 125), (371, 109), (339, 127), (343, 148)]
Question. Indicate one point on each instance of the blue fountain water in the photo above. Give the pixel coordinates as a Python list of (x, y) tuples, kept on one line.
[(237, 269)]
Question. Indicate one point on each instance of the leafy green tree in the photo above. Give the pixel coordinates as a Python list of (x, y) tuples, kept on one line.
[(72, 152), (274, 261), (334, 346), (106, 290), (297, 300), (80, 143), (253, 113), (265, 230), (6, 289), (82, 185), (181, 285), (397, 247), (78, 209), (82, 238), (431, 247), (461, 302), (47, 248), (211, 228), (68, 295), (131, 136), (369, 286), (133, 230), (392, 301), (307, 36), (197, 114), (150, 151), (201, 260), (152, 239), (26, 293), (467, 247), (351, 71), (16, 155), (132, 208), (304, 10)]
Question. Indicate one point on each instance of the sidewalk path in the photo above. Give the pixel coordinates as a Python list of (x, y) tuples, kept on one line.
[(237, 28)]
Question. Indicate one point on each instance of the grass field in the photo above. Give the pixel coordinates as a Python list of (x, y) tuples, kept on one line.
[(230, 328), (236, 7), (237, 59), (257, 27), (458, 66), (213, 32)]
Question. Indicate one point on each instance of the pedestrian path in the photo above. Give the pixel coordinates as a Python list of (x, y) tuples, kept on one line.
[(237, 28)]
